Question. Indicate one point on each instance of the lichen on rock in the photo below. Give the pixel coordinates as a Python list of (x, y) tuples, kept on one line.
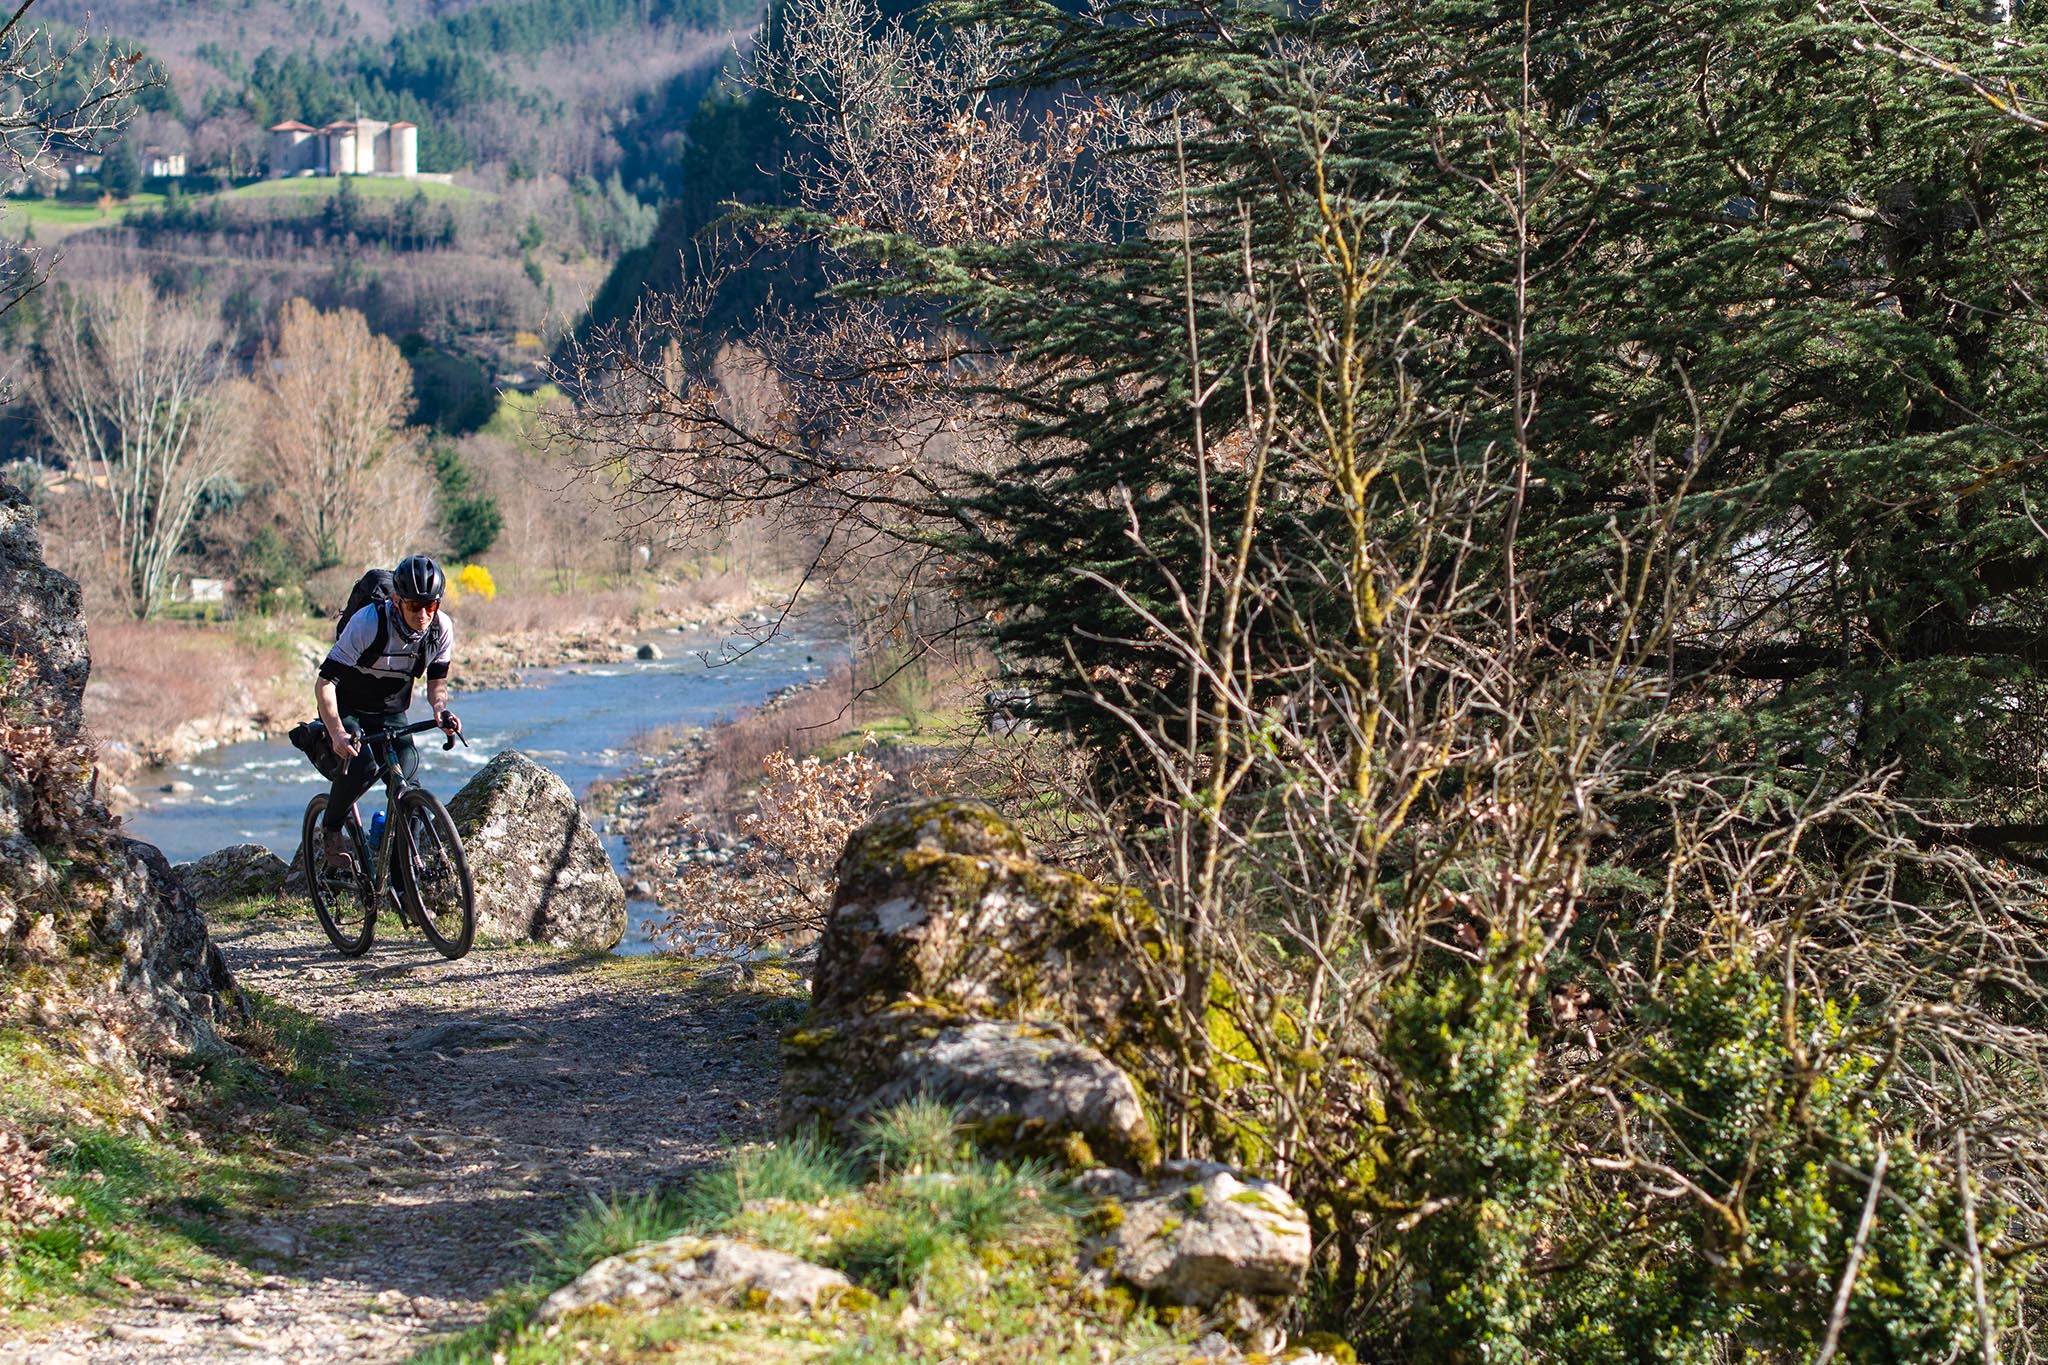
[(938, 901), (541, 871), (1200, 1234), (954, 965), (691, 1269)]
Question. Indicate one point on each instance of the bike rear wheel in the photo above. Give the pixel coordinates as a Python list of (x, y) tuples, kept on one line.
[(432, 874), (341, 898)]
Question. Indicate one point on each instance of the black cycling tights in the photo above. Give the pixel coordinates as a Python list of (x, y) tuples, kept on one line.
[(361, 774)]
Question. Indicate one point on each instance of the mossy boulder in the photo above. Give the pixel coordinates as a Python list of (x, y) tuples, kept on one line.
[(1017, 1088), (939, 903), (239, 872), (1200, 1234), (691, 1269), (953, 964)]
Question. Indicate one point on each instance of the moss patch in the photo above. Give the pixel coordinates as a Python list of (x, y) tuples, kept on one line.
[(974, 1261)]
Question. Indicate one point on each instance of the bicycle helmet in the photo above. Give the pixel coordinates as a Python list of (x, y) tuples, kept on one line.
[(418, 579)]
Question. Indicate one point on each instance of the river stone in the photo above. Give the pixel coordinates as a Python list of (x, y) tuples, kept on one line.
[(541, 871), (696, 1269), (1195, 1232), (648, 651), (240, 872)]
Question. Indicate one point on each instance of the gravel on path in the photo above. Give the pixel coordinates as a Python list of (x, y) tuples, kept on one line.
[(521, 1084)]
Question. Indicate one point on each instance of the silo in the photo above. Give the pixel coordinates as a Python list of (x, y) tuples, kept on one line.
[(405, 149)]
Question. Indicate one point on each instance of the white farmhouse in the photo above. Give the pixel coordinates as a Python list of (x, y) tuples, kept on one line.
[(357, 146)]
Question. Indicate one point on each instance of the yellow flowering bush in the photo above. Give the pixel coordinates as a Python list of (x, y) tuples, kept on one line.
[(473, 578)]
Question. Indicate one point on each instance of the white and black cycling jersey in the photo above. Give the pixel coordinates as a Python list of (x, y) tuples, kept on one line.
[(375, 659)]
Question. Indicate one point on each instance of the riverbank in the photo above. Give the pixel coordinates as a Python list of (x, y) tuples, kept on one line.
[(681, 809)]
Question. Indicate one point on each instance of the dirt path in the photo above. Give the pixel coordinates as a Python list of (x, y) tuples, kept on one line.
[(520, 1083)]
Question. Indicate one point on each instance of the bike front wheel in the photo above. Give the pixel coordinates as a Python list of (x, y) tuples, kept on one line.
[(433, 874), (340, 896)]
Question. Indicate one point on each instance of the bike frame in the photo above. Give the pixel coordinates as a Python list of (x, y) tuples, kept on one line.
[(396, 784)]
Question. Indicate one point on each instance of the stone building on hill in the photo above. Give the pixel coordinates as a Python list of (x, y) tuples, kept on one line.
[(357, 146)]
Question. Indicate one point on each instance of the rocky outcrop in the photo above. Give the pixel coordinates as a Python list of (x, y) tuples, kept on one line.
[(237, 873), (953, 964), (541, 871), (112, 945), (938, 901), (691, 1269)]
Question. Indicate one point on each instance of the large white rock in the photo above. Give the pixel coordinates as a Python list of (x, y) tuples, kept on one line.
[(541, 871), (695, 1269)]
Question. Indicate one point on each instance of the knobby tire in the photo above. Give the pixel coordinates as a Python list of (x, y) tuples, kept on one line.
[(340, 899), (432, 874)]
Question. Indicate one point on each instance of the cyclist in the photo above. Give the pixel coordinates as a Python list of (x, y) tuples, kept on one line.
[(367, 677)]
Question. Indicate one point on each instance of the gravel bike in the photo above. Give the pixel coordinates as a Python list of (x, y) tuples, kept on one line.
[(417, 866)]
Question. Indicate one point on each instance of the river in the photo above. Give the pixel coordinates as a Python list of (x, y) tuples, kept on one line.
[(579, 720)]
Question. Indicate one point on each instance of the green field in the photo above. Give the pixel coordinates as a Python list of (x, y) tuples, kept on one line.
[(53, 219), (322, 187)]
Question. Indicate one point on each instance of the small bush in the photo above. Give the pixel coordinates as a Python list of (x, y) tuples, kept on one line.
[(475, 580)]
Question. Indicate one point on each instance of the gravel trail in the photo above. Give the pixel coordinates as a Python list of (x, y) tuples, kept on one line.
[(520, 1083)]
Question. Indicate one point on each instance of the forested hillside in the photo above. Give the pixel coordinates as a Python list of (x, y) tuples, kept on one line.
[(528, 86)]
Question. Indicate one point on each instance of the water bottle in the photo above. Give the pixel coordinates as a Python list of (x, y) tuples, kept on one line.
[(376, 830)]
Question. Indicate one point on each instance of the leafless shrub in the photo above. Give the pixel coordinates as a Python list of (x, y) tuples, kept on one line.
[(780, 888)]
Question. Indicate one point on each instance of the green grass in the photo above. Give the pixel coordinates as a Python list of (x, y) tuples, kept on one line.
[(53, 219), (321, 188), (57, 218), (968, 1259), (155, 1176)]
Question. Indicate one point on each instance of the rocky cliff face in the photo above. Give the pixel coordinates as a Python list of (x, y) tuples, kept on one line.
[(95, 932)]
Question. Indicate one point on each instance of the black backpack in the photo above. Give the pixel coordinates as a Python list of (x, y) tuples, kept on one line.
[(376, 587)]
